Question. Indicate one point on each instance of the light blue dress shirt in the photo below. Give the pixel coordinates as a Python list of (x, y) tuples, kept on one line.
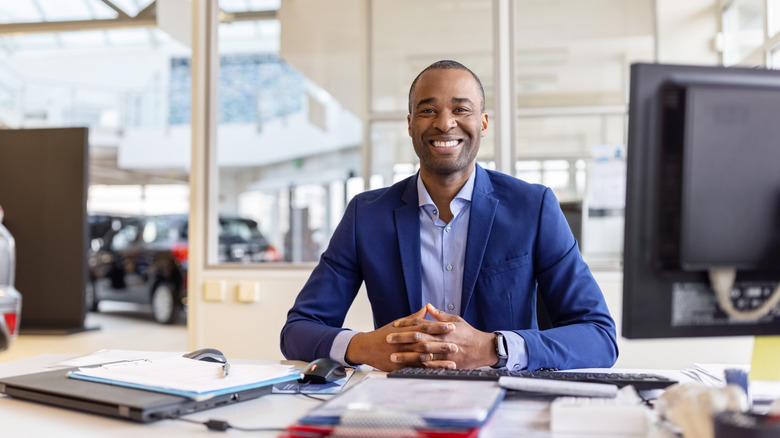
[(443, 251)]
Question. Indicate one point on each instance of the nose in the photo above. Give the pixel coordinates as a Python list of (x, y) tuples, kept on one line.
[(444, 121)]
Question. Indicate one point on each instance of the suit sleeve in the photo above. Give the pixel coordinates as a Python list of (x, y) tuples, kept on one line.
[(319, 310), (583, 333)]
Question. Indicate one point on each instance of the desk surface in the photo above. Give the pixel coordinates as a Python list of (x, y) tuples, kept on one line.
[(22, 418)]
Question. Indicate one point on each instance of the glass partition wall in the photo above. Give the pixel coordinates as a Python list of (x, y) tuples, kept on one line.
[(305, 135), (311, 103)]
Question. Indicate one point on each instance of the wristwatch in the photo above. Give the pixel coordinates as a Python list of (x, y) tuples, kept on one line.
[(500, 351)]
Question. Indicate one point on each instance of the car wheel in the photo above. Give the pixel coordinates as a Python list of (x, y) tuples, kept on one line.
[(90, 297), (166, 306)]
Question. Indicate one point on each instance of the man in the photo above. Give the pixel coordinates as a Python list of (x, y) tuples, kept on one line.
[(466, 246)]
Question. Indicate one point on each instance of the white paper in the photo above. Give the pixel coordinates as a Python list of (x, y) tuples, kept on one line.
[(183, 374), (108, 355)]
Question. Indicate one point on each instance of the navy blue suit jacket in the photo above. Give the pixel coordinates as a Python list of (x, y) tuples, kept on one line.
[(518, 241)]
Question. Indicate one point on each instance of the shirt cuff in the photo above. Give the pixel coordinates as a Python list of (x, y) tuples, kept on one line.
[(338, 350), (517, 353)]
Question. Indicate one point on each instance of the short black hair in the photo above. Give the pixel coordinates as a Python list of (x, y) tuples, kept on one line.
[(447, 64)]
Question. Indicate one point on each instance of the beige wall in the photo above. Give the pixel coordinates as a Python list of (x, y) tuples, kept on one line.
[(686, 31)]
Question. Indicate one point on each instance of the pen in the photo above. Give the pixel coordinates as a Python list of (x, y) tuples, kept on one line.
[(125, 363), (225, 369)]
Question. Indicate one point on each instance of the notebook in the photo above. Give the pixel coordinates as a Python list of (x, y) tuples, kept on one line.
[(55, 388)]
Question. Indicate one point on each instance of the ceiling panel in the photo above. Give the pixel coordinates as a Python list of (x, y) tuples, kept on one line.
[(19, 11), (131, 7), (33, 11)]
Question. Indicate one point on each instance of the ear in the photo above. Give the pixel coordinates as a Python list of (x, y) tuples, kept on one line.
[(409, 124), (484, 124)]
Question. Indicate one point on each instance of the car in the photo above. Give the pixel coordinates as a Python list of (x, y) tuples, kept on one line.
[(240, 240), (143, 259), (10, 298)]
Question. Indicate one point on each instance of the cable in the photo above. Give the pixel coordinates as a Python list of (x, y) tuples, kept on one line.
[(311, 396), (722, 281), (221, 425)]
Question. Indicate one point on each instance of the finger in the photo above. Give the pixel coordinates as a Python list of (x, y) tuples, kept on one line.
[(447, 364), (442, 316), (408, 322), (405, 338), (435, 328), (416, 316), (432, 360), (411, 357), (408, 357), (444, 348), (428, 338)]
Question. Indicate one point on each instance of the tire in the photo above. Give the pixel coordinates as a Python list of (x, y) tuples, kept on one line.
[(90, 297), (166, 305)]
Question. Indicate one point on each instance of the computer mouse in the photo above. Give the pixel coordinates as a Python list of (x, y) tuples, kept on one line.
[(323, 370), (207, 354)]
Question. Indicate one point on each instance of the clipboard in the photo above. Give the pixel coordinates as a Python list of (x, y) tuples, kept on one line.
[(195, 379)]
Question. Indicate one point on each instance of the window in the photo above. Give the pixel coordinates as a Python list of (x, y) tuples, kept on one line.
[(392, 155), (775, 59), (285, 146), (743, 29), (773, 11)]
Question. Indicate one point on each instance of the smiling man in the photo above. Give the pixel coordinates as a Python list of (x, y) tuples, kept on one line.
[(452, 259)]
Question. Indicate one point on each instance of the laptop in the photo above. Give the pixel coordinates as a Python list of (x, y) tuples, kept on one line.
[(57, 389)]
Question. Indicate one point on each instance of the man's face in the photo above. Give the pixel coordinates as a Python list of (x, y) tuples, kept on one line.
[(446, 121)]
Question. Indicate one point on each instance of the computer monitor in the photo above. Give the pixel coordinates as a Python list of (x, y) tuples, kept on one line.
[(702, 193)]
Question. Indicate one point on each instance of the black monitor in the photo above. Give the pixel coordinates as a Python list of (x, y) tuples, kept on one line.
[(702, 194)]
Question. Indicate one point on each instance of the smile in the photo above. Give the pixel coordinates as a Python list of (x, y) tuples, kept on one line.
[(445, 144)]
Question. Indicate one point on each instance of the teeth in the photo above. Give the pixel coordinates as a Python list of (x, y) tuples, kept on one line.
[(445, 144)]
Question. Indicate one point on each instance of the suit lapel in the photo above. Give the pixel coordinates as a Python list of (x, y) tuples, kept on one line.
[(483, 210), (407, 220)]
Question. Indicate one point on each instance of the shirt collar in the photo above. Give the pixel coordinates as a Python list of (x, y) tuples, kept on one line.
[(465, 192)]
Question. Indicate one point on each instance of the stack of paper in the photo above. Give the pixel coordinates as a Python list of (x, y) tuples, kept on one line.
[(410, 405), (186, 377)]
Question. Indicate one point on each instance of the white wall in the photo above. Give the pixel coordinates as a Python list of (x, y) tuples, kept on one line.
[(686, 31)]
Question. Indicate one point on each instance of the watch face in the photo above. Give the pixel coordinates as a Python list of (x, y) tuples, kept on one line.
[(500, 351), (500, 346)]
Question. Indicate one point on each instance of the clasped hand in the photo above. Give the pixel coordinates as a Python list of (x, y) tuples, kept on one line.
[(446, 342)]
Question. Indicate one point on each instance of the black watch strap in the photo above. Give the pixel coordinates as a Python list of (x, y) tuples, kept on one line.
[(501, 351)]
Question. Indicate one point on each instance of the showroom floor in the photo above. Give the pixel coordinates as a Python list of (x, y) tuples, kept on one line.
[(119, 326)]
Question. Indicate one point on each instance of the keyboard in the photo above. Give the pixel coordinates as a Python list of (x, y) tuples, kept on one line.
[(640, 381)]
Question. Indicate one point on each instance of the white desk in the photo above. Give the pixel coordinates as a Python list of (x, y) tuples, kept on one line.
[(28, 419)]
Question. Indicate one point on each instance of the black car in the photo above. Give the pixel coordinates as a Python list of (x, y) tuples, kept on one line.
[(143, 260), (240, 240)]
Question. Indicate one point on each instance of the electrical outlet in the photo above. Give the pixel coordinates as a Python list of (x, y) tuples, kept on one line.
[(214, 290), (248, 292)]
